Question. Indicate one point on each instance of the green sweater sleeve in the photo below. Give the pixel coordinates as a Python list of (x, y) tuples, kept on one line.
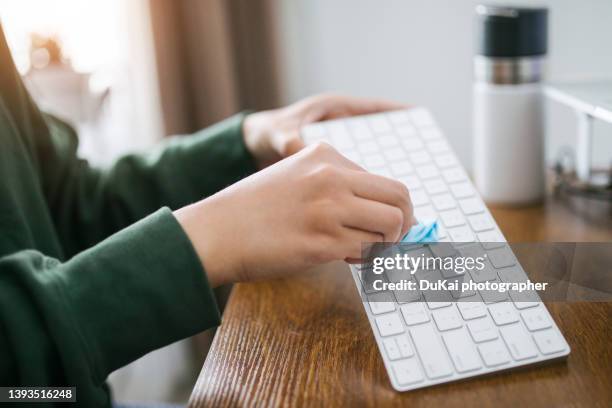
[(88, 204), (95, 271), (75, 322)]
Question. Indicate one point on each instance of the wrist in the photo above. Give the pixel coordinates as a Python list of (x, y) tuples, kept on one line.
[(198, 222), (256, 131)]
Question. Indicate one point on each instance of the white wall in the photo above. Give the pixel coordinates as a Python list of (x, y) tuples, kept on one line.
[(420, 51)]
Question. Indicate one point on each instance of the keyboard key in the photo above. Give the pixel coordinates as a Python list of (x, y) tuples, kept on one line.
[(522, 300), (412, 144), (462, 351), (336, 128), (519, 343), (482, 329), (488, 273), (407, 135), (443, 202), (398, 117), (461, 294), (392, 349), (314, 133), (442, 232), (374, 160), (472, 310), (418, 197), (437, 147), (491, 239), (461, 234), (454, 175), (414, 313), (494, 296), (404, 346), (342, 140), (359, 129), (388, 140), (368, 147), (514, 274), (412, 182), (471, 205), (481, 222), (525, 299), (425, 213), (407, 371), (494, 353), (430, 133), (536, 319), (462, 190), (452, 218), (503, 313), (501, 257), (427, 171), (436, 304), (434, 357), (420, 157), (389, 324), (379, 124), (382, 171), (421, 117), (447, 318), (435, 186), (401, 168), (549, 342), (405, 296), (445, 160), (522, 304), (393, 155), (380, 306)]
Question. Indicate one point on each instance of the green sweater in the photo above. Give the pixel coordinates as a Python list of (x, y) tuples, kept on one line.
[(95, 271)]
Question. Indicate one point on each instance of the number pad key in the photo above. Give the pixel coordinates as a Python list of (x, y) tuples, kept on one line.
[(447, 318), (494, 353), (407, 371), (389, 324), (520, 344), (536, 319), (482, 329)]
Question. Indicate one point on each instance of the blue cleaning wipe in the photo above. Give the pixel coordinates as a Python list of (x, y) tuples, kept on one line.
[(422, 233)]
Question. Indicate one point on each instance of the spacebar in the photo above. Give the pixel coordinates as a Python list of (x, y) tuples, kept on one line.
[(432, 353)]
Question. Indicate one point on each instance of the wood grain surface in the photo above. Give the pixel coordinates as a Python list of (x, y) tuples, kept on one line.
[(307, 342)]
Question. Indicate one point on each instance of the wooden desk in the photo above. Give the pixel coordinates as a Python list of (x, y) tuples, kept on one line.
[(307, 342)]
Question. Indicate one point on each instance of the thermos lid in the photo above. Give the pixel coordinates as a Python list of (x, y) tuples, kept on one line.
[(511, 31)]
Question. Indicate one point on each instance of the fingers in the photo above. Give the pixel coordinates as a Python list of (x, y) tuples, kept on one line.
[(362, 106), (331, 106), (324, 152), (381, 189), (374, 217), (337, 106), (287, 143), (355, 241)]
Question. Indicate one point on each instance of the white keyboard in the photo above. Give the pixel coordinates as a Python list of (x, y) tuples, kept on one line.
[(426, 343)]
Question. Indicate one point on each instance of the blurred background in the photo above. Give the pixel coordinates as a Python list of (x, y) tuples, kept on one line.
[(128, 73)]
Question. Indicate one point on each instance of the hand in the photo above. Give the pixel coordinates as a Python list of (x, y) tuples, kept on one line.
[(309, 209), (275, 134)]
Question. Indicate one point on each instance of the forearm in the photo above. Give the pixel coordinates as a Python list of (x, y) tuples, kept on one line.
[(88, 204), (75, 322)]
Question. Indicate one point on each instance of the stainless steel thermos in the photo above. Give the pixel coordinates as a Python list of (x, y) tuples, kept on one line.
[(508, 103)]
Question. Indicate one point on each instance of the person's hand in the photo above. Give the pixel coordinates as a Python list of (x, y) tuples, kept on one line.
[(311, 208), (275, 134)]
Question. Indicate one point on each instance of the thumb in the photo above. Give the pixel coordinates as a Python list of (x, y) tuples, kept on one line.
[(287, 143)]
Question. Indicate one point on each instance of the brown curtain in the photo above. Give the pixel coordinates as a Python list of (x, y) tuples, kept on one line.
[(214, 58)]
